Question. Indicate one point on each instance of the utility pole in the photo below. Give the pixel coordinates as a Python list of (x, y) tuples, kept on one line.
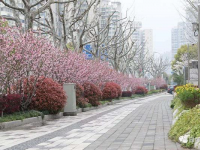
[(199, 46), (184, 78), (188, 58)]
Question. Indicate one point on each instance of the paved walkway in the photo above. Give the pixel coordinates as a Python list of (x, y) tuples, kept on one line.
[(140, 124)]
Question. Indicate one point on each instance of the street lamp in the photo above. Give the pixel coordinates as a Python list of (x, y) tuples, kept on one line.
[(195, 28)]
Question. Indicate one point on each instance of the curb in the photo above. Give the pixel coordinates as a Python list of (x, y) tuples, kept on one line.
[(17, 123)]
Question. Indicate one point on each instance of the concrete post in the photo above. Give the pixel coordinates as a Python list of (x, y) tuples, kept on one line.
[(70, 107)]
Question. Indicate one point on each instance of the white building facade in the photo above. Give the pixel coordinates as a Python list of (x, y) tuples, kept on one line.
[(106, 9), (7, 12), (178, 37), (148, 41), (143, 39)]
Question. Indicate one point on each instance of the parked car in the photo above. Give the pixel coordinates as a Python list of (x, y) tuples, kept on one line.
[(170, 90)]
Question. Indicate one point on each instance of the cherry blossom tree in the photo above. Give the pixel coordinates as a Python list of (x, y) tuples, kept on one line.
[(158, 82), (26, 57)]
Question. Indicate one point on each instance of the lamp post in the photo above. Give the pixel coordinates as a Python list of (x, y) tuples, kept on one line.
[(188, 59), (196, 27)]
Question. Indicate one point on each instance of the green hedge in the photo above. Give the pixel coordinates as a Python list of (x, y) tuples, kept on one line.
[(21, 116)]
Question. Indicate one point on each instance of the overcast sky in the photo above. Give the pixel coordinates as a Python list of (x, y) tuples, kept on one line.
[(159, 15)]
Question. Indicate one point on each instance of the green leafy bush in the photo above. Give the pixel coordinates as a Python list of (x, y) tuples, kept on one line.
[(20, 116), (189, 95)]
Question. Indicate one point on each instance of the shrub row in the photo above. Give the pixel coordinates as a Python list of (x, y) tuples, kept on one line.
[(141, 90), (111, 90), (90, 93), (164, 87), (48, 96), (10, 103), (81, 101), (126, 94)]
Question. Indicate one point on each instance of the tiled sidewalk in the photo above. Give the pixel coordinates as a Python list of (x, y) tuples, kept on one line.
[(135, 124), (146, 128)]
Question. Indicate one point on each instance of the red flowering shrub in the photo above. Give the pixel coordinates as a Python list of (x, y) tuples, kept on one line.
[(119, 90), (110, 91), (49, 96), (133, 90), (141, 90), (82, 102), (11, 103), (79, 91), (92, 93), (164, 87), (126, 94)]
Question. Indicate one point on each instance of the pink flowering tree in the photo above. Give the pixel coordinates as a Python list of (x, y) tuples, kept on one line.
[(158, 82), (27, 56), (22, 55)]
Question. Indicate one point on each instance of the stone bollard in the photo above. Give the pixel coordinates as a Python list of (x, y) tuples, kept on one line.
[(70, 107)]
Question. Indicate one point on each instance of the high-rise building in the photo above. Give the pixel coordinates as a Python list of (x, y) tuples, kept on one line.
[(148, 41), (143, 39), (106, 9), (137, 35), (183, 33), (178, 37)]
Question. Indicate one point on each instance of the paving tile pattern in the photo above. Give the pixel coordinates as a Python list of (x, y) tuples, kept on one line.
[(141, 124), (30, 135), (146, 128)]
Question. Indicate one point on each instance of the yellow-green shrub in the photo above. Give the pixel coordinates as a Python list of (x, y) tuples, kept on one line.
[(189, 95)]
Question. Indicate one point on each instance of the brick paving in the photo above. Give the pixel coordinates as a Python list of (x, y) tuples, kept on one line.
[(140, 124), (146, 128)]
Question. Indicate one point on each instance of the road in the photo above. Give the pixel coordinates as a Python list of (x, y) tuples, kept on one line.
[(139, 124)]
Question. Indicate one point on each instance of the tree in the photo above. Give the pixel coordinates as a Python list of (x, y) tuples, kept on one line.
[(158, 66), (26, 58), (183, 56), (182, 59), (178, 78), (30, 10), (158, 82)]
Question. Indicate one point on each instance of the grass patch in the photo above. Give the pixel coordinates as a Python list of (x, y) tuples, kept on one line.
[(137, 96), (88, 105), (176, 104), (21, 116), (154, 91), (104, 102), (188, 121), (122, 98)]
